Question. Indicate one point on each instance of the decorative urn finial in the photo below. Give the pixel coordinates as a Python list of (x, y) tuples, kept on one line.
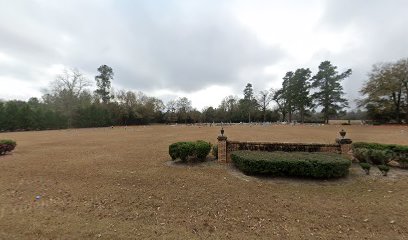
[(342, 133), (222, 131)]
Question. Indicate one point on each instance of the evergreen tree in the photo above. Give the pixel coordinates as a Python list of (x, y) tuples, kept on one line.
[(103, 82), (329, 93), (301, 88), (248, 103)]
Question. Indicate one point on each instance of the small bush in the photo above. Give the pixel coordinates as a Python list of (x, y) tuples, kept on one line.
[(7, 146), (379, 146), (215, 151), (8, 142), (297, 164), (202, 149), (185, 150), (362, 154), (379, 157), (173, 150), (380, 153), (384, 169), (375, 146), (366, 167)]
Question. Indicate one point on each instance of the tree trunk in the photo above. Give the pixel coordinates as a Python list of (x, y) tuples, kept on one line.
[(290, 116), (397, 104), (264, 112), (283, 116)]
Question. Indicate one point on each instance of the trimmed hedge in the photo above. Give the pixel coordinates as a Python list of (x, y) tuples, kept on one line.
[(296, 164), (400, 149), (7, 146), (380, 154), (185, 150)]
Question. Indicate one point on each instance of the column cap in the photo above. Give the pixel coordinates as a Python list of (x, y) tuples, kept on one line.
[(221, 138)]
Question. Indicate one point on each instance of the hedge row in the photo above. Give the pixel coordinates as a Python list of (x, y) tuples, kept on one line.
[(7, 146), (378, 146), (380, 154), (185, 150), (296, 164)]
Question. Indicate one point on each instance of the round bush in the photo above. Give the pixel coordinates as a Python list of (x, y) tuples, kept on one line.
[(185, 150), (296, 164), (202, 149)]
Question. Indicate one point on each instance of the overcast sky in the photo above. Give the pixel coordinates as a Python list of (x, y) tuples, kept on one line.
[(203, 50)]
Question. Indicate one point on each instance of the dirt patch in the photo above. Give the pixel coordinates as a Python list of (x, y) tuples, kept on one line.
[(115, 184)]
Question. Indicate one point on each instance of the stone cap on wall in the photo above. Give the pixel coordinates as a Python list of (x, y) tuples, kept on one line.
[(285, 143), (221, 138)]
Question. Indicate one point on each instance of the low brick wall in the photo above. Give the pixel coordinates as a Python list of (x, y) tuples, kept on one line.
[(285, 147), (225, 147)]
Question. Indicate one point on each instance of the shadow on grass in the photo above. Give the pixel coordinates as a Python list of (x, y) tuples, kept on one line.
[(209, 161)]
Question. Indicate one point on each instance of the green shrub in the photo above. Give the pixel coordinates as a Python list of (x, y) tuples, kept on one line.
[(8, 142), (202, 149), (362, 154), (215, 151), (297, 164), (379, 157), (376, 146), (7, 146), (384, 169), (173, 150), (379, 146), (366, 167), (185, 150), (380, 153), (373, 156)]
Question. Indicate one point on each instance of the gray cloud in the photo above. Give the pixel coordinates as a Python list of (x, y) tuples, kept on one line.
[(381, 33), (185, 46)]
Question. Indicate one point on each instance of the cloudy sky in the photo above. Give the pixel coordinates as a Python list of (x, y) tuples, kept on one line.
[(204, 50)]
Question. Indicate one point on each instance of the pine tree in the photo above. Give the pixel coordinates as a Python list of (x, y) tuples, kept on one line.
[(301, 88), (329, 93), (103, 82)]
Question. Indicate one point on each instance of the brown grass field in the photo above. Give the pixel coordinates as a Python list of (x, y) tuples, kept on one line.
[(117, 184)]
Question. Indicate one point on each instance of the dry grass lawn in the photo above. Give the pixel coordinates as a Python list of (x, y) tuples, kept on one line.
[(116, 184)]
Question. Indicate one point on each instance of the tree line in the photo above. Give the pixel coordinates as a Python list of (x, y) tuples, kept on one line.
[(303, 97)]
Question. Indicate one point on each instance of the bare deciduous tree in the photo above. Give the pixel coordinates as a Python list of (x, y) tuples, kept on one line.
[(264, 99)]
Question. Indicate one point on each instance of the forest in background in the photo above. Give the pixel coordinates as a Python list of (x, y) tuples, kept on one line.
[(303, 97)]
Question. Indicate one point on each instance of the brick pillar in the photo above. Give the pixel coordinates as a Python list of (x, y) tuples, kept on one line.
[(345, 145), (222, 149), (345, 149)]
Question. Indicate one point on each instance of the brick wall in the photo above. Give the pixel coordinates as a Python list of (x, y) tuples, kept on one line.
[(225, 147)]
